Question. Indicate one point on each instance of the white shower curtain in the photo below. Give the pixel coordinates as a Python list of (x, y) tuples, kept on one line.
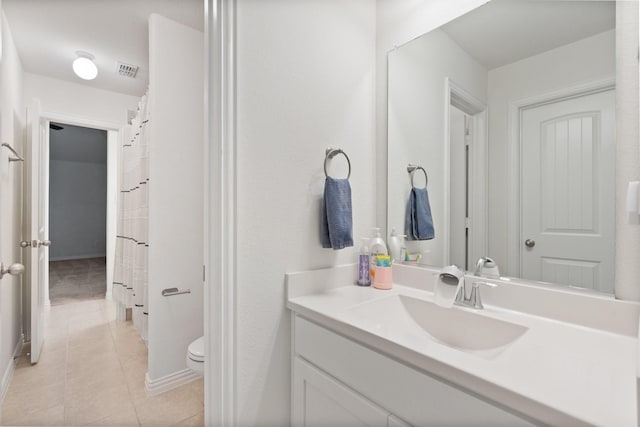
[(132, 247)]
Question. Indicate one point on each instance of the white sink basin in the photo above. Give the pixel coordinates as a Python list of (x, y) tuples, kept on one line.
[(454, 327)]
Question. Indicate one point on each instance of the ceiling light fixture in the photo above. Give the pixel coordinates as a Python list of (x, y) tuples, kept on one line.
[(84, 66)]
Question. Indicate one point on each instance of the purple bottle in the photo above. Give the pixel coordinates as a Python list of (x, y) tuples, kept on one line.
[(364, 279)]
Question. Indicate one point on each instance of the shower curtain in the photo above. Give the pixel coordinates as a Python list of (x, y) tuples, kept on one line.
[(132, 247)]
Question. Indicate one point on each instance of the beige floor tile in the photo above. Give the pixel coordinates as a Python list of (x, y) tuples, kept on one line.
[(195, 421), (129, 346), (54, 344), (81, 360), (96, 403), (168, 408), (53, 416), (84, 322), (51, 354), (27, 401), (95, 352), (100, 332), (135, 370), (124, 417), (92, 372), (197, 388), (82, 385), (27, 377)]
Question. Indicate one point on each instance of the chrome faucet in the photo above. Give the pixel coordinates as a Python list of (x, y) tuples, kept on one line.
[(482, 263), (473, 300)]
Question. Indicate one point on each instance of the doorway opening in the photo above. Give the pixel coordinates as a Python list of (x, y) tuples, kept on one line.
[(466, 128), (77, 213)]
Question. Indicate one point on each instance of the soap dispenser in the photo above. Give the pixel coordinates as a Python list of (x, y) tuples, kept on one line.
[(396, 243), (450, 281), (364, 278), (376, 247)]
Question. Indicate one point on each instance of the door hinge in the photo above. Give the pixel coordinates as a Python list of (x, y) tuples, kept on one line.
[(203, 274), (467, 222), (467, 125)]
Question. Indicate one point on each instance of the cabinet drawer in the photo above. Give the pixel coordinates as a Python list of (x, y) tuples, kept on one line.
[(403, 391)]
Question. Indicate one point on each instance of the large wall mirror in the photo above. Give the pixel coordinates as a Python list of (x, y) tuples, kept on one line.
[(510, 109)]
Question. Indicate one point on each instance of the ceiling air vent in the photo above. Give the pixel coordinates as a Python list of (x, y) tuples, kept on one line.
[(127, 70)]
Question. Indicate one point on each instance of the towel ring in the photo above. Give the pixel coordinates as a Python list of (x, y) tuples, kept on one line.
[(412, 170), (330, 153)]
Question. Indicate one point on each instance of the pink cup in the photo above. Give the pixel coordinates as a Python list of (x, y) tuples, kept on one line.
[(383, 278)]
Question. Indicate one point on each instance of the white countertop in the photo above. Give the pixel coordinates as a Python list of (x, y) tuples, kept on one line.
[(582, 375)]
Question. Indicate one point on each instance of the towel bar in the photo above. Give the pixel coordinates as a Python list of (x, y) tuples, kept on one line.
[(17, 157), (412, 170), (330, 153), (169, 292)]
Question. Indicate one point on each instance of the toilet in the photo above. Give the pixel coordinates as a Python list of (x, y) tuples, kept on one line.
[(195, 355)]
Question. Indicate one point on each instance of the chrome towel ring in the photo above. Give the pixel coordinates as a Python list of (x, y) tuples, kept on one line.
[(330, 153), (412, 170)]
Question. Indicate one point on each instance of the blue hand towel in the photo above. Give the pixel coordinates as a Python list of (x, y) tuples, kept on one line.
[(337, 223), (418, 220)]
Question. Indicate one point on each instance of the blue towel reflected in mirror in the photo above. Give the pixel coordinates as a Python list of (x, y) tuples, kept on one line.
[(418, 219)]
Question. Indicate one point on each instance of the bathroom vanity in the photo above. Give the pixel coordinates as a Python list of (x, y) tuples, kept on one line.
[(362, 356)]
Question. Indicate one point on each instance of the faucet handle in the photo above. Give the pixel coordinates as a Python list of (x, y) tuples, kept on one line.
[(474, 299)]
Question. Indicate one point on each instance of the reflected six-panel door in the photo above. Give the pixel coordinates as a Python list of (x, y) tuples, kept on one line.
[(568, 191)]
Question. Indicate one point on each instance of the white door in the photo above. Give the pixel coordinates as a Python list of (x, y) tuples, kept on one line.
[(37, 252), (568, 192)]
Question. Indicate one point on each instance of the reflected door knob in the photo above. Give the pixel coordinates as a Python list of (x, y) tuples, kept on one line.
[(529, 243), (45, 243), (14, 269)]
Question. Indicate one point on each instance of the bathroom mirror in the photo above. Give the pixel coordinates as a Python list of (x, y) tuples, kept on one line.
[(510, 109)]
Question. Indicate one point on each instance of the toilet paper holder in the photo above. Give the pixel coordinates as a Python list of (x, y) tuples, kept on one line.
[(169, 292)]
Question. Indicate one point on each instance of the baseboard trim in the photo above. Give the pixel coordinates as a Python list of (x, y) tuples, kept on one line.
[(74, 257), (169, 382), (11, 367)]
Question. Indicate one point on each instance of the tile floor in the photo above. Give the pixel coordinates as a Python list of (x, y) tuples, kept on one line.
[(91, 372), (77, 279)]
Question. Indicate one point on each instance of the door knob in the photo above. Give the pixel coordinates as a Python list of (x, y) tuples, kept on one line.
[(14, 269), (529, 243), (35, 243)]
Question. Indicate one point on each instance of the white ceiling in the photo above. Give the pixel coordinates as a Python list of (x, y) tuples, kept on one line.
[(47, 34), (505, 31)]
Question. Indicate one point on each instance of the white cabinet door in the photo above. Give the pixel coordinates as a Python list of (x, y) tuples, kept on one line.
[(319, 400)]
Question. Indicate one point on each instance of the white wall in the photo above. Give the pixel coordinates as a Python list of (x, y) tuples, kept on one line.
[(416, 127), (73, 99), (11, 131), (588, 60), (305, 82), (627, 148), (398, 22), (77, 209), (176, 127)]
